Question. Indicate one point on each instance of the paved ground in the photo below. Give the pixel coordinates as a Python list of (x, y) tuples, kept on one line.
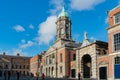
[(29, 78)]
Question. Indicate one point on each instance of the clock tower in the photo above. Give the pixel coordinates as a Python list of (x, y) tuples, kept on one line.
[(63, 28)]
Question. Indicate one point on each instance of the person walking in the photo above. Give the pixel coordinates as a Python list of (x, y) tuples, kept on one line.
[(79, 76), (43, 76), (5, 75), (37, 75), (9, 74), (18, 75)]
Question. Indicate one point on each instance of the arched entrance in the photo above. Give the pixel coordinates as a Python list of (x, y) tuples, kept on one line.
[(86, 66)]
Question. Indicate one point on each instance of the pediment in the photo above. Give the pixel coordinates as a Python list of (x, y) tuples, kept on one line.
[(50, 49)]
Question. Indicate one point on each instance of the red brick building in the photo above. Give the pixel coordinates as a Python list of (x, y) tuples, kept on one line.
[(114, 43), (35, 64), (14, 64)]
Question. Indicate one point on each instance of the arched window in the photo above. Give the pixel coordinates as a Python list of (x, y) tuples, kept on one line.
[(117, 60)]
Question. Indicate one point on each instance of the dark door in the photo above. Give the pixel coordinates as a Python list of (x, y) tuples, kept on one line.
[(73, 72), (117, 71), (103, 73), (0, 73)]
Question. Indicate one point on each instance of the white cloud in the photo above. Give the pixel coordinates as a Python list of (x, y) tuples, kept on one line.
[(31, 26), (16, 51), (23, 41), (47, 30), (19, 28), (25, 45), (84, 4), (57, 6)]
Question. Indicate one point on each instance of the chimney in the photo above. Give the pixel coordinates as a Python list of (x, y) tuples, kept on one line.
[(3, 53), (18, 54)]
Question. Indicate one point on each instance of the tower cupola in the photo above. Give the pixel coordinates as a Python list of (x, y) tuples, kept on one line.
[(63, 13), (63, 26)]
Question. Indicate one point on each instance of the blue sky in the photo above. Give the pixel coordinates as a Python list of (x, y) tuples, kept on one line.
[(28, 26)]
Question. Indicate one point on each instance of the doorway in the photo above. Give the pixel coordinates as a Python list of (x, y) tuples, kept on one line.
[(103, 73), (86, 66), (73, 72)]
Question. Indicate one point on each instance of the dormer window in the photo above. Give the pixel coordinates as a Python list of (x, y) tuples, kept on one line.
[(117, 18)]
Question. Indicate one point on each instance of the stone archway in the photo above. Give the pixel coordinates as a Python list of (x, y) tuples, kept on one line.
[(86, 66)]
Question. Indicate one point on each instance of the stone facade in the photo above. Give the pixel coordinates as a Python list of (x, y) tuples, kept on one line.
[(93, 51)]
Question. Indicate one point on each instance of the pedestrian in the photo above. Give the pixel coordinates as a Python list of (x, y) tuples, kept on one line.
[(37, 75), (5, 75), (43, 76), (31, 76), (79, 76), (18, 75), (9, 74)]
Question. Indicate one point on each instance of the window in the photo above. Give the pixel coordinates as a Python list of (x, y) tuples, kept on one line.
[(23, 66), (12, 66), (74, 57), (47, 60), (117, 17), (61, 57), (27, 66), (16, 66), (117, 60), (60, 69), (23, 72), (117, 42), (53, 56), (6, 66)]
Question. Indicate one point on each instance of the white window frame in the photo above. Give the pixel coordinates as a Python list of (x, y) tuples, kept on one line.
[(113, 43), (114, 18)]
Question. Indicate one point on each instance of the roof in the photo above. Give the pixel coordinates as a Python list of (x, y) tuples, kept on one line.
[(13, 56), (63, 13), (115, 8)]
